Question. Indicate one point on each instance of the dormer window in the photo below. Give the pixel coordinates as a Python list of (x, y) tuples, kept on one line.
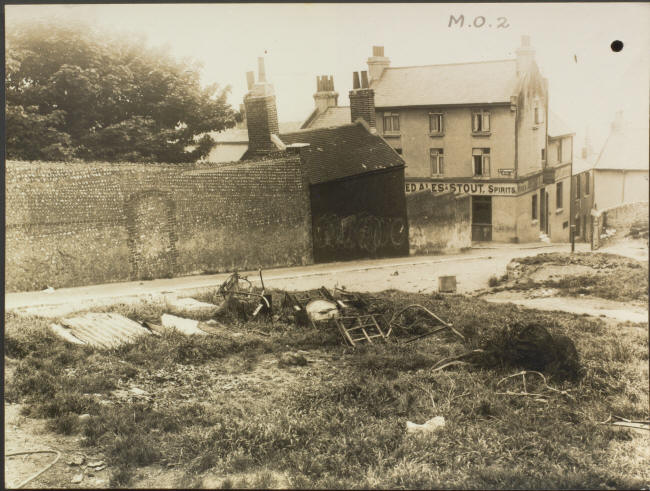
[(435, 123), (391, 122), (481, 121)]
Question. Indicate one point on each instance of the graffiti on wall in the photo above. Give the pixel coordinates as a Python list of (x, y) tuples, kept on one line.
[(359, 231)]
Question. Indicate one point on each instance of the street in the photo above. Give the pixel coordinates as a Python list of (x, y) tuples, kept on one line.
[(472, 269)]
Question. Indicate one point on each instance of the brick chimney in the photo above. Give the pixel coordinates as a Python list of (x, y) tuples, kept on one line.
[(261, 112), (325, 95), (362, 100), (377, 63), (525, 55)]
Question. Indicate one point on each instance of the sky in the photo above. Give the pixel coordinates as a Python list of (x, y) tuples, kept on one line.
[(588, 82)]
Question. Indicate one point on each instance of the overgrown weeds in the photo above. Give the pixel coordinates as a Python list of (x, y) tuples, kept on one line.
[(614, 277)]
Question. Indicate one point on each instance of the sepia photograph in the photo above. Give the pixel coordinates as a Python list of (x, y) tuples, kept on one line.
[(326, 245)]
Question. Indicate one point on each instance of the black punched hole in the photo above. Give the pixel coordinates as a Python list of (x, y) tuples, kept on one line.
[(617, 46)]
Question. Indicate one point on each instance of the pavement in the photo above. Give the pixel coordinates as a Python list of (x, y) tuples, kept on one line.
[(418, 274)]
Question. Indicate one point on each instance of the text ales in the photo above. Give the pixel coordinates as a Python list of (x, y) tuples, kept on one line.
[(473, 188)]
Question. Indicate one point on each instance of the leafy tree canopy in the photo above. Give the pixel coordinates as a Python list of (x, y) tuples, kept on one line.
[(72, 92)]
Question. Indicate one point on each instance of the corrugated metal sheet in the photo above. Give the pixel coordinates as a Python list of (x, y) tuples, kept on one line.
[(104, 330)]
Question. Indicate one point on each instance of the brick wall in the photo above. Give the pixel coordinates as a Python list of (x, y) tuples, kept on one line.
[(617, 223), (78, 224), (362, 105), (438, 222)]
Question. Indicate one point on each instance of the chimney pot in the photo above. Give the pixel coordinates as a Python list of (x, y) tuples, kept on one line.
[(331, 83), (355, 80), (261, 75), (250, 79), (364, 79), (377, 51)]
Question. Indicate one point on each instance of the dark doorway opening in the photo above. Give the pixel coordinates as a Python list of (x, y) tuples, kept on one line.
[(481, 218)]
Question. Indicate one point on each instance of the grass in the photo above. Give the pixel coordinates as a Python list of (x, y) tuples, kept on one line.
[(341, 424), (614, 277)]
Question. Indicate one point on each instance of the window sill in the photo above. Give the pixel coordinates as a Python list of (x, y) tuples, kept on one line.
[(559, 210), (481, 133), (437, 176), (436, 134), (392, 134), (534, 222), (483, 178)]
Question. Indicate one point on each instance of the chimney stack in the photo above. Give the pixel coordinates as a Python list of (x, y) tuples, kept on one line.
[(261, 113), (325, 96), (377, 63), (362, 100), (525, 55), (364, 80)]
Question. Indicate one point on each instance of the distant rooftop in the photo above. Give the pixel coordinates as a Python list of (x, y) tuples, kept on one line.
[(240, 135), (333, 116), (626, 148)]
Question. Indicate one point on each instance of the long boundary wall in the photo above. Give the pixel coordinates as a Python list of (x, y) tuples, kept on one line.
[(71, 224)]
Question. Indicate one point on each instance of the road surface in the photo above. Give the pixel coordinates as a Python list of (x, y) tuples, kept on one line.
[(472, 269)]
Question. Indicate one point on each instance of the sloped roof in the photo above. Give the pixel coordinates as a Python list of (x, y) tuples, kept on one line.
[(332, 116), (457, 83), (625, 149), (342, 151), (557, 127)]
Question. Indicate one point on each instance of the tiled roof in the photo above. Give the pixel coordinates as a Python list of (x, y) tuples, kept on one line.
[(625, 149), (343, 151), (333, 116), (458, 83), (556, 126)]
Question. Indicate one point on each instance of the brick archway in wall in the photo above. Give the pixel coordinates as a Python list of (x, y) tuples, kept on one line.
[(151, 225)]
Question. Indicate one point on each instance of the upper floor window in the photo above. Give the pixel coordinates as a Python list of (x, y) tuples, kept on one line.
[(391, 122), (543, 154), (559, 151), (534, 208), (481, 160), (435, 123), (437, 161), (480, 121), (577, 186), (587, 183), (558, 196)]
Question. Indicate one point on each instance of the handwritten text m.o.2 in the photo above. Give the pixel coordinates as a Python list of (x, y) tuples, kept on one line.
[(478, 22)]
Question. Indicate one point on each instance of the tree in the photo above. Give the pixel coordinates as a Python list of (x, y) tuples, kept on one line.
[(73, 93)]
